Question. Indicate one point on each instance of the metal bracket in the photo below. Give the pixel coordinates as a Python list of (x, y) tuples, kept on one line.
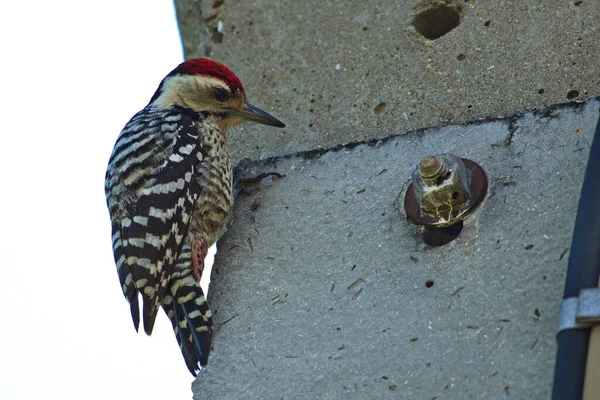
[(580, 312)]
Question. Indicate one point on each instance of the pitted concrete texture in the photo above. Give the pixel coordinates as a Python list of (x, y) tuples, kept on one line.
[(340, 71), (323, 290)]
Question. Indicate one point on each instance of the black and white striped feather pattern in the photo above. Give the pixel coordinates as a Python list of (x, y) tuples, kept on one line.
[(168, 179)]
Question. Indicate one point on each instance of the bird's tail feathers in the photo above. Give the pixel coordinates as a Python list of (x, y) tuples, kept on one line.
[(192, 323), (134, 306)]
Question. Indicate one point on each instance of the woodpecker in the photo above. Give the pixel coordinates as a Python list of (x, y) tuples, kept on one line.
[(168, 190)]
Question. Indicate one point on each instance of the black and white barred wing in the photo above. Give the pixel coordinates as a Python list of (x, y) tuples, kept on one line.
[(151, 191)]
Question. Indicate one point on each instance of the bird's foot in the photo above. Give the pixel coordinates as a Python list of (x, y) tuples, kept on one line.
[(199, 250), (250, 184)]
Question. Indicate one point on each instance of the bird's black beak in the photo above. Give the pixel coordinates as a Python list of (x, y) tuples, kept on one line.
[(250, 113)]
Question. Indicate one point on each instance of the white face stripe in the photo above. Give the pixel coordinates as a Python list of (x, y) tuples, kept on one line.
[(194, 91)]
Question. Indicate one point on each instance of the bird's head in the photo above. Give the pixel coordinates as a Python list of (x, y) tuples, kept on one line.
[(208, 87)]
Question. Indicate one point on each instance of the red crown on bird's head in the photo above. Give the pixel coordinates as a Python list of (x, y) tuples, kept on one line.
[(206, 67)]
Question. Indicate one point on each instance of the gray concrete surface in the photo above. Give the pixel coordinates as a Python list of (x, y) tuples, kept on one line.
[(293, 325), (504, 56), (319, 286)]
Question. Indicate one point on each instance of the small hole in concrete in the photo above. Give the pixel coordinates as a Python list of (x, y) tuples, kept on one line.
[(433, 19), (541, 91), (487, 23), (537, 312), (461, 57), (529, 247), (379, 108), (470, 106), (217, 37), (572, 94), (365, 28), (428, 283), (254, 206), (578, 3)]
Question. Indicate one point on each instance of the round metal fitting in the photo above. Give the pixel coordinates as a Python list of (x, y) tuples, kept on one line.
[(444, 189)]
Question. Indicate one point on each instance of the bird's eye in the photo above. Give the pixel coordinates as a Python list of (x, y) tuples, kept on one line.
[(221, 94)]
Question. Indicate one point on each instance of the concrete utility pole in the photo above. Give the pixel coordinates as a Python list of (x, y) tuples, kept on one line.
[(322, 288)]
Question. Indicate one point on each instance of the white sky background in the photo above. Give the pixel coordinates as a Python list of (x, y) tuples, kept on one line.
[(73, 73)]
